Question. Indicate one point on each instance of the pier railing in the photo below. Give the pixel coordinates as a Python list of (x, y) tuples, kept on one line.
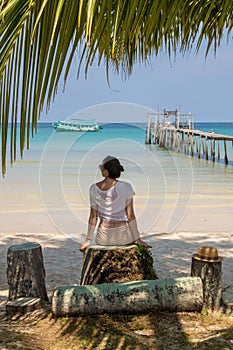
[(189, 141)]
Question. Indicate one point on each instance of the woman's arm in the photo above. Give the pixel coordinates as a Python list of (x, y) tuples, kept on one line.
[(132, 222), (92, 222)]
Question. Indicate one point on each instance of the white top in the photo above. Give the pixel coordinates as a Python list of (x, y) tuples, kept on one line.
[(111, 204)]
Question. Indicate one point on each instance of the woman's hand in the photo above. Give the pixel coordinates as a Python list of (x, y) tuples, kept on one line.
[(84, 245), (141, 242)]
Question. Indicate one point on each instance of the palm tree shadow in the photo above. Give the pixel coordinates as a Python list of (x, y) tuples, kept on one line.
[(122, 331)]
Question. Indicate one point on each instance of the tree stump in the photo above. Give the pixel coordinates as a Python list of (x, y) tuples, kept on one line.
[(211, 275), (109, 264), (25, 271), (22, 305)]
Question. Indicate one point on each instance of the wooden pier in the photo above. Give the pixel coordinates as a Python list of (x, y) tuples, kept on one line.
[(180, 136)]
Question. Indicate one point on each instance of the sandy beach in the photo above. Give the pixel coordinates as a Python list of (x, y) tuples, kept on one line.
[(172, 255)]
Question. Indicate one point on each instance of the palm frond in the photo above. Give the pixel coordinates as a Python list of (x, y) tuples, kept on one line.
[(40, 38)]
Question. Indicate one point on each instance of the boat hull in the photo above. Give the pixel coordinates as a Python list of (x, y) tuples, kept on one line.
[(77, 125)]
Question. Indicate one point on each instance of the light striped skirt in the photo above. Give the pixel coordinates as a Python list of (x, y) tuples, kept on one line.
[(114, 233)]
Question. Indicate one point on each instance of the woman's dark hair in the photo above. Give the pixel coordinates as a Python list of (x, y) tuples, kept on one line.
[(113, 166)]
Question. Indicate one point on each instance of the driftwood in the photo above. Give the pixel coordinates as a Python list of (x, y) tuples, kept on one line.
[(211, 275), (111, 264), (25, 271), (181, 294)]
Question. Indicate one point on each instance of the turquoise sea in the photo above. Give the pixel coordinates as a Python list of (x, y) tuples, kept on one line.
[(55, 174), (131, 131)]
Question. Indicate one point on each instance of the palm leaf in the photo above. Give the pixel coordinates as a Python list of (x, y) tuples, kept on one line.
[(40, 38)]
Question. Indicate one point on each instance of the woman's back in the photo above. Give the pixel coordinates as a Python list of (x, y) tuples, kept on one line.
[(111, 203)]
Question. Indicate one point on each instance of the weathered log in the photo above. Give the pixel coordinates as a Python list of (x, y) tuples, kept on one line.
[(211, 275), (25, 271), (180, 294), (107, 264)]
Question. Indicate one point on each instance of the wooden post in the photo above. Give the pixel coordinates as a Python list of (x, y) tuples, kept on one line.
[(206, 149), (175, 146), (218, 149), (161, 137), (178, 141), (211, 274), (106, 264), (189, 122), (177, 294), (187, 143), (148, 131), (174, 143), (155, 130), (192, 145), (213, 150), (25, 271), (225, 150), (172, 139), (203, 146), (184, 142), (198, 143), (178, 120), (169, 135), (166, 137)]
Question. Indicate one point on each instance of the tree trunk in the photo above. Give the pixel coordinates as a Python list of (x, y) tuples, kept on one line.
[(25, 271), (106, 264), (211, 275), (180, 294)]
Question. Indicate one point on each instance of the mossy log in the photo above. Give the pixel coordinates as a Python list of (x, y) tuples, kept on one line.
[(211, 275), (180, 294), (25, 271), (111, 264)]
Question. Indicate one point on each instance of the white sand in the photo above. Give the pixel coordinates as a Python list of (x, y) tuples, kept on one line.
[(172, 255)]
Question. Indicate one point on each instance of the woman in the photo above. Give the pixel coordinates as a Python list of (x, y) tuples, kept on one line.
[(111, 201)]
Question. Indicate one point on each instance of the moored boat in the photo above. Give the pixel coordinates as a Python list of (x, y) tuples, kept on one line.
[(80, 125)]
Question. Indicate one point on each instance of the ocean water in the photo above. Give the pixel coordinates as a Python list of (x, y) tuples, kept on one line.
[(219, 128), (55, 174)]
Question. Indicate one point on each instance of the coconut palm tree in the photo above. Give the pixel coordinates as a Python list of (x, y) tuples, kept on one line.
[(41, 38)]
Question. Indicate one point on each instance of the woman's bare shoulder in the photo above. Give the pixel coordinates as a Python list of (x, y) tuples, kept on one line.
[(99, 184)]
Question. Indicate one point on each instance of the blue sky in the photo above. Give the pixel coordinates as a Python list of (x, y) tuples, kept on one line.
[(192, 83)]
